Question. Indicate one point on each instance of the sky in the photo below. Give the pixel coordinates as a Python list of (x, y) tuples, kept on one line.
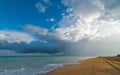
[(60, 27)]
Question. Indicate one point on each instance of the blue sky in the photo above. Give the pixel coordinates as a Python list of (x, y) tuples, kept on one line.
[(62, 27), (23, 12)]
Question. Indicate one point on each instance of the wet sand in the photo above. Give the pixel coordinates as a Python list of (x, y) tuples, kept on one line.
[(93, 66)]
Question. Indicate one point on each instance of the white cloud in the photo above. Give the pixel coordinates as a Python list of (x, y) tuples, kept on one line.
[(79, 23), (2, 36), (13, 36), (41, 8), (47, 2), (112, 9), (51, 19), (36, 29), (87, 19)]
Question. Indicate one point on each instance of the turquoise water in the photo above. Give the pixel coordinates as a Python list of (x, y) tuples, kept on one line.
[(33, 65)]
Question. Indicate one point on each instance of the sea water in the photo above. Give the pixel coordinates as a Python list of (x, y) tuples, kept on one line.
[(33, 65)]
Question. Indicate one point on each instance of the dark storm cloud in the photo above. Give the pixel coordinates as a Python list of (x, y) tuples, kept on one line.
[(33, 47)]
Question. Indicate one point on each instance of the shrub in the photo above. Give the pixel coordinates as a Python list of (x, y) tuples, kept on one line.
[(118, 55)]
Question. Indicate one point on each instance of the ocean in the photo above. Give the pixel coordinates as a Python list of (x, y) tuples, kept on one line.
[(33, 65)]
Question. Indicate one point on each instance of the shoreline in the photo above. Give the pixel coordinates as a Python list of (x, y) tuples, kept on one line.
[(90, 66), (68, 64)]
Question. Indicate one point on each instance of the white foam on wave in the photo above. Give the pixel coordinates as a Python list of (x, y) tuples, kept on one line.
[(49, 67), (31, 70)]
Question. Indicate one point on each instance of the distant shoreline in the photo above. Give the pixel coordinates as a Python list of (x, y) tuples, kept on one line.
[(91, 66)]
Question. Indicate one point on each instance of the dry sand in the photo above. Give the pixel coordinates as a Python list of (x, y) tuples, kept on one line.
[(94, 66)]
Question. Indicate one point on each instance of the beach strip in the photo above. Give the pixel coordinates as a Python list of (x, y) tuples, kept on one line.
[(92, 66)]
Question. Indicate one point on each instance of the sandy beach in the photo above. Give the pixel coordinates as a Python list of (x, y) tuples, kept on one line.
[(92, 66)]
